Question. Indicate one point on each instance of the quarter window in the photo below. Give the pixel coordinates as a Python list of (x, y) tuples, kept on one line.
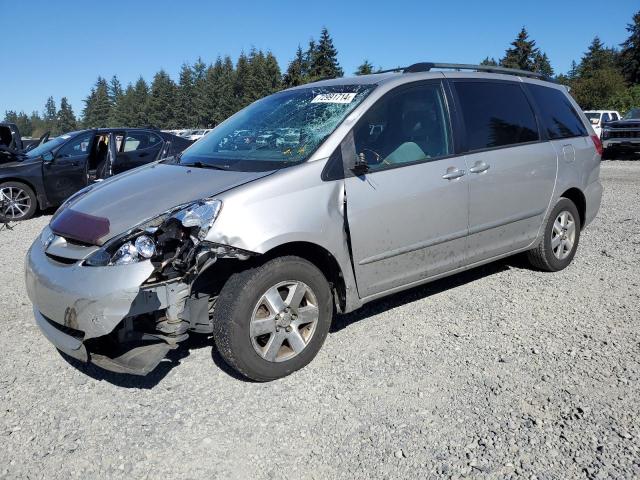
[(559, 118), (496, 114), (404, 127)]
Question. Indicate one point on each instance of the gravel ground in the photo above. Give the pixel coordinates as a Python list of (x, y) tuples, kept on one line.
[(500, 372)]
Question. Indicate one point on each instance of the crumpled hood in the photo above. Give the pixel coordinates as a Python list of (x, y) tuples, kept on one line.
[(116, 205)]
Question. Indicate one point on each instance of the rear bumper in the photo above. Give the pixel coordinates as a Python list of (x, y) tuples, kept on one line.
[(593, 196)]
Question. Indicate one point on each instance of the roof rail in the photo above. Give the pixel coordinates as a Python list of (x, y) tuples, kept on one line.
[(427, 66)]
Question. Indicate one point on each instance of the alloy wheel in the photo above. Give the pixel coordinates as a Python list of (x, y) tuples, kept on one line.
[(15, 202), (563, 235), (284, 321)]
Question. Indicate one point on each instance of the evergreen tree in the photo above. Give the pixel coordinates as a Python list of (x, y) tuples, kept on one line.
[(365, 68), (490, 62), (201, 94), (542, 65), (124, 111), (224, 92), (97, 106), (324, 63), (573, 71), (522, 53), (161, 104), (185, 104), (257, 82), (597, 90), (139, 101), (115, 96), (243, 81), (596, 58), (50, 115), (38, 125), (630, 54), (66, 120), (310, 57), (273, 74), (295, 74)]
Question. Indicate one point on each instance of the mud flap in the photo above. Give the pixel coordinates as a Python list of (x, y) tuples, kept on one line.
[(137, 361)]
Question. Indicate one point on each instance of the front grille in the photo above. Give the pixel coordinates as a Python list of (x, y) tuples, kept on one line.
[(72, 332), (622, 134)]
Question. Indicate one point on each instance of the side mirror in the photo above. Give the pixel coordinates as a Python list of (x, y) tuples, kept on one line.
[(360, 165), (47, 157)]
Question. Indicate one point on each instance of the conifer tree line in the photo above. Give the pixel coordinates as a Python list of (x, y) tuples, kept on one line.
[(204, 94), (604, 78)]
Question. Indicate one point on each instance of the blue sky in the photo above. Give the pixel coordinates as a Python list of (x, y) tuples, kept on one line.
[(59, 48)]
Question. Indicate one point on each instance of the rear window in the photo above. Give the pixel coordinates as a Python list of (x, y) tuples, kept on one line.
[(496, 114), (559, 118)]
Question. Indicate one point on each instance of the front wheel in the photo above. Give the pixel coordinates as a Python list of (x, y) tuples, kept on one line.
[(17, 202), (271, 320), (560, 240)]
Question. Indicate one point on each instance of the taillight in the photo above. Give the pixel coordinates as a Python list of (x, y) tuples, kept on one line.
[(597, 143)]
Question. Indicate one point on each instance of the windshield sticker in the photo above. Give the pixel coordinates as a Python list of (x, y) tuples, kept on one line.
[(334, 98)]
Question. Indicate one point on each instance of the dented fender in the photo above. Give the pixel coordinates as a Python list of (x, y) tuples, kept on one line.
[(291, 205)]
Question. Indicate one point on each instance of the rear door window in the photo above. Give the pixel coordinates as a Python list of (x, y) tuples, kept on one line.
[(139, 141), (559, 118), (495, 114)]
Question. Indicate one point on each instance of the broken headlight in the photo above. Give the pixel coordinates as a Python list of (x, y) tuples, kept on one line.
[(142, 248), (166, 240), (200, 215)]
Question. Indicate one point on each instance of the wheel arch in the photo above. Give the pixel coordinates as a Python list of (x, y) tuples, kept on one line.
[(215, 277), (321, 258), (578, 198), (28, 184)]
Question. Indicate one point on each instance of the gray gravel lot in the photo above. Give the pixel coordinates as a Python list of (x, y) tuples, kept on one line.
[(500, 372)]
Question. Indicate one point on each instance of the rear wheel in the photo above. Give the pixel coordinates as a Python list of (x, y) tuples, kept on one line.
[(561, 237), (17, 201), (271, 320)]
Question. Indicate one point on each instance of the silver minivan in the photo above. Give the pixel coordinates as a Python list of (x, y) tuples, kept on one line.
[(392, 180)]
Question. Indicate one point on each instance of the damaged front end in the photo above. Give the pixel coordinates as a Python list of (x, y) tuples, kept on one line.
[(126, 304)]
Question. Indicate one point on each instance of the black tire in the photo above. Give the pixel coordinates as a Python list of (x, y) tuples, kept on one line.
[(234, 311), (543, 256), (8, 214), (610, 153)]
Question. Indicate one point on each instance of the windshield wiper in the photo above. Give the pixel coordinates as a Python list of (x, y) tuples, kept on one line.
[(204, 165)]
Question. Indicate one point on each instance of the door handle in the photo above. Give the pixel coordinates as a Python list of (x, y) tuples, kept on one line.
[(453, 173), (479, 167)]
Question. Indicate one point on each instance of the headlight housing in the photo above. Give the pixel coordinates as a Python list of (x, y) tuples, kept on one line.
[(46, 237), (159, 239)]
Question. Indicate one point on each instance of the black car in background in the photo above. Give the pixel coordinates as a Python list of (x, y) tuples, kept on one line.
[(51, 172)]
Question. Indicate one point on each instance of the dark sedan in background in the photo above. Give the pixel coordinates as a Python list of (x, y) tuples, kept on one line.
[(50, 173)]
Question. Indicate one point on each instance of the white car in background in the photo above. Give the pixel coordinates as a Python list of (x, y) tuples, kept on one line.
[(599, 117), (198, 134)]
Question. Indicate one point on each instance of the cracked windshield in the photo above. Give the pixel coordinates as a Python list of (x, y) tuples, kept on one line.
[(278, 131)]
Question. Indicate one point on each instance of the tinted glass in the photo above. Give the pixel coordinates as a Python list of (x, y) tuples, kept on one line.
[(559, 118), (606, 117), (77, 147), (404, 127), (140, 141), (614, 116), (632, 114), (50, 145), (496, 114)]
